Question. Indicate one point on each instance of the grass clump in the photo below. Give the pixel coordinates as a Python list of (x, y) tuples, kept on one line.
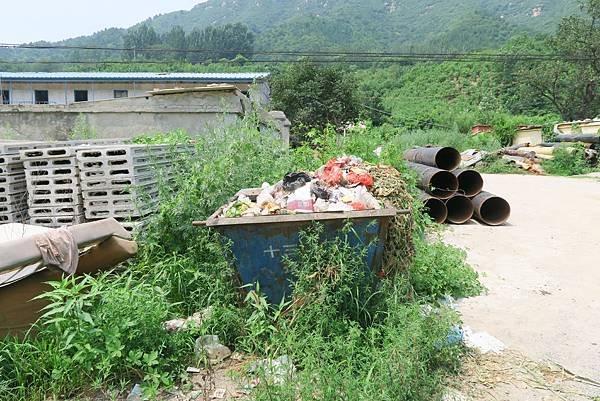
[(95, 332), (568, 161), (444, 137), (440, 269)]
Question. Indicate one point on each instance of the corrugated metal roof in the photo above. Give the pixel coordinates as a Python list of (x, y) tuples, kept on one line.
[(244, 77)]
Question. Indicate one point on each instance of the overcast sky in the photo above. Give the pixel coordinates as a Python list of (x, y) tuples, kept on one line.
[(28, 20)]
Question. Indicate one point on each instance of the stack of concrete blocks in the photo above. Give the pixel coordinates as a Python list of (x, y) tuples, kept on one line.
[(122, 181), (13, 187), (54, 191)]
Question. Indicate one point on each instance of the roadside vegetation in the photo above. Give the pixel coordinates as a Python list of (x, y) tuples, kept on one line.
[(354, 336)]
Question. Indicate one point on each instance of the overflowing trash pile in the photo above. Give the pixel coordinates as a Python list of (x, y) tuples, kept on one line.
[(342, 185)]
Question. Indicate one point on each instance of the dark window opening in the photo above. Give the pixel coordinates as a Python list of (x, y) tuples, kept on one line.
[(246, 93), (5, 97), (81, 96), (41, 97), (121, 93)]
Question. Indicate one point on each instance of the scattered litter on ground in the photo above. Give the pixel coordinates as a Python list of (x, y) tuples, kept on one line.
[(219, 394), (449, 302), (482, 341), (275, 371), (136, 393), (231, 376), (193, 321), (211, 347)]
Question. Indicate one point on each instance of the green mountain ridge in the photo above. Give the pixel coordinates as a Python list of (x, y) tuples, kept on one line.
[(353, 25), (373, 24)]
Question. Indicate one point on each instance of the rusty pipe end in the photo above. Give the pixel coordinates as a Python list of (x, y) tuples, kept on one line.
[(470, 182), (443, 184), (436, 209), (460, 209), (448, 159), (491, 209)]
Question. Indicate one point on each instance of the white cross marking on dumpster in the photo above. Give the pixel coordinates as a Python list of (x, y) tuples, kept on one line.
[(290, 249), (272, 251)]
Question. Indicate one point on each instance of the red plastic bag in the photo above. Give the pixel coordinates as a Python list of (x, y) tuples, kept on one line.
[(358, 176), (332, 173), (358, 206)]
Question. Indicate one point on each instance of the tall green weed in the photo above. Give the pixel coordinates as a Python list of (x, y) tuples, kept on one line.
[(353, 336), (568, 162)]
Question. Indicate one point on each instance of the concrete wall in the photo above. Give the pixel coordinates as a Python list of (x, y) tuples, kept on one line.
[(192, 111), (117, 118), (64, 93)]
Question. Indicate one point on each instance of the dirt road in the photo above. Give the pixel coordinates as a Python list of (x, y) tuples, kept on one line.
[(542, 270)]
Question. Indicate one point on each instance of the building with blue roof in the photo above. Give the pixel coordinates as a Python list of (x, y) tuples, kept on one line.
[(72, 87)]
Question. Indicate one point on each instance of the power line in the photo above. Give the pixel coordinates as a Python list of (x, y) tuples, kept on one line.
[(369, 55), (277, 61)]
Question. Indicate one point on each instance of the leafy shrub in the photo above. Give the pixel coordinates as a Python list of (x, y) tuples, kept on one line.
[(567, 161), (440, 270)]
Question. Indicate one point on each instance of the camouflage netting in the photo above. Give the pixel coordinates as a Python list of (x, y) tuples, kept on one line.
[(399, 247)]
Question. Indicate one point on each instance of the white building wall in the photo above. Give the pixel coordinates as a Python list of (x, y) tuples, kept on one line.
[(21, 96), (64, 93)]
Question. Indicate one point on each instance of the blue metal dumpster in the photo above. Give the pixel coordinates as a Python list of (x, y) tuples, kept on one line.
[(260, 243)]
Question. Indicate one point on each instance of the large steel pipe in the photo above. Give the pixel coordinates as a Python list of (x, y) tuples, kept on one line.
[(491, 209), (439, 183), (460, 209), (434, 207), (587, 138), (470, 182), (442, 158)]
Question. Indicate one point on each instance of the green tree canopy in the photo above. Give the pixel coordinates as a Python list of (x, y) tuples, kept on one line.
[(175, 39), (313, 96), (220, 42), (142, 37), (570, 83)]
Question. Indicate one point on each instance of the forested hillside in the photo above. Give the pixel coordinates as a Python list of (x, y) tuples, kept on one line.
[(364, 24)]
